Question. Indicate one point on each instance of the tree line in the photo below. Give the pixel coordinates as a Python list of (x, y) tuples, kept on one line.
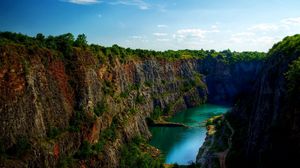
[(65, 43)]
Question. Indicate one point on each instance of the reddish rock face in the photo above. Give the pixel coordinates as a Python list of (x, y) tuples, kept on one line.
[(57, 70), (57, 103), (56, 151), (41, 92)]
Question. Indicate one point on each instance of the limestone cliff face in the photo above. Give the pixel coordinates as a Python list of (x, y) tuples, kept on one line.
[(41, 92), (217, 143), (54, 108), (267, 120), (226, 82)]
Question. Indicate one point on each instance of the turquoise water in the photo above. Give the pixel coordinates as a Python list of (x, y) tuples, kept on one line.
[(180, 145)]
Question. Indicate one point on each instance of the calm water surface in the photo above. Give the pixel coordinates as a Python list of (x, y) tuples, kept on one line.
[(181, 145)]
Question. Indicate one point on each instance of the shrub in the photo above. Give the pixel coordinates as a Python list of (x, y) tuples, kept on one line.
[(21, 146), (2, 148), (168, 109), (140, 99), (88, 150), (187, 86), (132, 111), (26, 66), (293, 76), (148, 83), (100, 108), (53, 132), (98, 147), (135, 86), (85, 151), (65, 162), (157, 112), (79, 119), (108, 88), (109, 133), (133, 156), (124, 94)]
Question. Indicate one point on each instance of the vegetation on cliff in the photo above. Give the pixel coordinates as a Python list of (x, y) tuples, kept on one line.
[(139, 154), (78, 104), (293, 83), (266, 121), (214, 151), (65, 42)]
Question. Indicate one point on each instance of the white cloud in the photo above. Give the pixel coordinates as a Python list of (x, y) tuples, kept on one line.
[(291, 21), (160, 34), (195, 35), (163, 39), (139, 38), (136, 37), (252, 39), (264, 27), (139, 3), (282, 25), (189, 33), (262, 36), (268, 33), (214, 27), (83, 2), (162, 26), (244, 34), (241, 37), (265, 40)]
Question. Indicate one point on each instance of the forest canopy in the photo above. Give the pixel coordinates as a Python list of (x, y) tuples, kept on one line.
[(66, 42)]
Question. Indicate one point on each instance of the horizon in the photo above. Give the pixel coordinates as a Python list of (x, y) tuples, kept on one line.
[(158, 25), (75, 37)]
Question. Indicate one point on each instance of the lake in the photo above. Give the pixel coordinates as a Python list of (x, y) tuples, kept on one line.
[(180, 145)]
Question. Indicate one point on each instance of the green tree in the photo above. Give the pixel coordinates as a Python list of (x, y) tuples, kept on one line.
[(40, 39), (293, 77), (81, 41), (51, 42), (65, 43)]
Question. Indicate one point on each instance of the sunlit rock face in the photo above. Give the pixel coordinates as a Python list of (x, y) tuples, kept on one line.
[(54, 104), (41, 93)]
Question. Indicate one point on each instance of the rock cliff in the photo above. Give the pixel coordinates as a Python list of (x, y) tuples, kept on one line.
[(78, 107), (53, 105), (266, 119), (226, 82)]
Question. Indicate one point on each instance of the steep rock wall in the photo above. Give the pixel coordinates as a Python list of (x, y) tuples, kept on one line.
[(226, 82), (54, 108), (42, 93), (267, 120)]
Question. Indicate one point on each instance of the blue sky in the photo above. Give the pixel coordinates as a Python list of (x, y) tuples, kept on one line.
[(159, 24)]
